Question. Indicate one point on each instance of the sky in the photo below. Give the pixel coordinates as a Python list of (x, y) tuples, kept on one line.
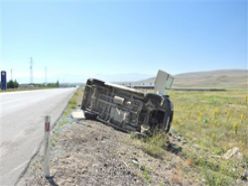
[(120, 40)]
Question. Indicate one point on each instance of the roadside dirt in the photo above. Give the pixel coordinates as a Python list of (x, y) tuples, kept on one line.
[(91, 153)]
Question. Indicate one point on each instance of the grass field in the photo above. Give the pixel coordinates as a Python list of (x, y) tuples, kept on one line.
[(214, 122)]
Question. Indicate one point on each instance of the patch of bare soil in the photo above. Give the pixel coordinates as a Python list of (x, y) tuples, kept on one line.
[(91, 153)]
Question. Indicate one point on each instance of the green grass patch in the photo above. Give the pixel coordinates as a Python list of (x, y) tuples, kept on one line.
[(217, 179), (153, 145), (212, 118), (65, 119), (146, 175), (215, 122)]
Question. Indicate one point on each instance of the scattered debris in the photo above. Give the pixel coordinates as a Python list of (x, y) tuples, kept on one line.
[(233, 153), (135, 161), (79, 115)]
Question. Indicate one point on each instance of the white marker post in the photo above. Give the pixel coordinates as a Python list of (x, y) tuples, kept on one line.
[(46, 147)]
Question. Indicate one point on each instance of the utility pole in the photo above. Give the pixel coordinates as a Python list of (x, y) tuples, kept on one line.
[(45, 75), (31, 70), (11, 74)]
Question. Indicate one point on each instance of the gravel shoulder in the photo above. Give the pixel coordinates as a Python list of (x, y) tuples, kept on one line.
[(90, 153)]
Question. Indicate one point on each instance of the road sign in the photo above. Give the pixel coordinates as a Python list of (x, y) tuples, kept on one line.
[(3, 80)]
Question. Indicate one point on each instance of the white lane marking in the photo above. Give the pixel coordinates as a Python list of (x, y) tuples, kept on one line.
[(29, 91), (16, 168)]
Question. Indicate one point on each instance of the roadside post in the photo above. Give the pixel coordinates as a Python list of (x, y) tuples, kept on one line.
[(46, 147)]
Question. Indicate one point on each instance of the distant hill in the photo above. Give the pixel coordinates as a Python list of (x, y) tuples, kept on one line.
[(208, 79)]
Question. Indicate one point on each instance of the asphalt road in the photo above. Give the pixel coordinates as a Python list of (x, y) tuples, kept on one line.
[(22, 126)]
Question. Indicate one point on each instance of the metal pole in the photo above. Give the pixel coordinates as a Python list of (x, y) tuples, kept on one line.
[(45, 75), (11, 74), (46, 147), (31, 70)]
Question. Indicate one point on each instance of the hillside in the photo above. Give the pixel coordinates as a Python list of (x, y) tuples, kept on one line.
[(213, 79)]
